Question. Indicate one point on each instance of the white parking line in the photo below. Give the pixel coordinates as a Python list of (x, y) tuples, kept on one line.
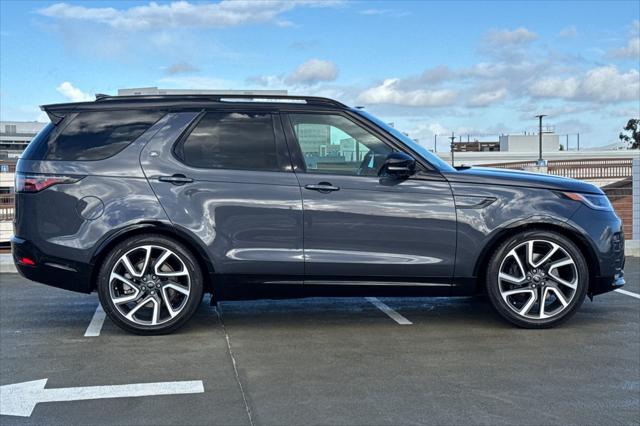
[(628, 293), (387, 310), (96, 323)]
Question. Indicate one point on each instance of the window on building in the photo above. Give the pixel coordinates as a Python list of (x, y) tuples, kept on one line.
[(241, 141), (10, 129), (100, 134), (334, 144)]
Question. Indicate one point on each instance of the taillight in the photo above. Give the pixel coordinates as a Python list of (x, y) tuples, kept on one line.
[(27, 261), (29, 182)]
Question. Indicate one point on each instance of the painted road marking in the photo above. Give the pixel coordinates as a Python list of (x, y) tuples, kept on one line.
[(95, 326), (628, 293), (387, 310), (19, 399)]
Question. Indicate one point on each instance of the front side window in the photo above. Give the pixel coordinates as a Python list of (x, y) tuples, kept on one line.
[(97, 135), (336, 145), (233, 140)]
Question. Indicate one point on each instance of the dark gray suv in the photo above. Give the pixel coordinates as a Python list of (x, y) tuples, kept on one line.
[(153, 201)]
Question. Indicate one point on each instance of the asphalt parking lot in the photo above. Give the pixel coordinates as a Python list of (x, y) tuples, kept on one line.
[(325, 361)]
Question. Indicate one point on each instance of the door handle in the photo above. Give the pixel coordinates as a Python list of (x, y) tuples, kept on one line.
[(177, 179), (324, 187)]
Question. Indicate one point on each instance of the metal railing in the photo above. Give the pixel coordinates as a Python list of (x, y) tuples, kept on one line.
[(7, 206), (578, 169)]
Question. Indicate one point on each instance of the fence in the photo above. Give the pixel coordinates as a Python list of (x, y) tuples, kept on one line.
[(578, 169), (7, 207)]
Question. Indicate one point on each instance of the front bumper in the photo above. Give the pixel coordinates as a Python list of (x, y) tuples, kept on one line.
[(50, 270), (602, 231), (606, 284)]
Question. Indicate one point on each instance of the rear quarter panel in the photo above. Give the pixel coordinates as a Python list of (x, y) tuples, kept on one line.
[(67, 222)]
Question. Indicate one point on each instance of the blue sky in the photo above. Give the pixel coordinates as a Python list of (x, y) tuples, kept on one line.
[(477, 68)]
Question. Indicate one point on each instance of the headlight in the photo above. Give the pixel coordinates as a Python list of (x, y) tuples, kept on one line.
[(594, 201)]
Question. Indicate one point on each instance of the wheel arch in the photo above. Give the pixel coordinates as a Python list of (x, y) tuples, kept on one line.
[(562, 228), (105, 246)]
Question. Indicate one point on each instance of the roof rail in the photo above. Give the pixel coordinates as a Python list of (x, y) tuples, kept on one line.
[(311, 100)]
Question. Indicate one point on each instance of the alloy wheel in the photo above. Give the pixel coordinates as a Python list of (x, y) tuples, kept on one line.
[(149, 285), (538, 279)]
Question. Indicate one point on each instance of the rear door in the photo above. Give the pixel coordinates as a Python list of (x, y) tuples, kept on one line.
[(359, 227), (225, 177)]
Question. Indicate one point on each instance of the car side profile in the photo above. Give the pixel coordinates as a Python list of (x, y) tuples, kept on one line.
[(153, 201)]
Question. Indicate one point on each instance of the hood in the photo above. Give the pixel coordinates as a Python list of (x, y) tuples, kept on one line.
[(490, 176)]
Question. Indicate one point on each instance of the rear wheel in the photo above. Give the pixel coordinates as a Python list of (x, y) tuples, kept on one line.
[(537, 279), (150, 284)]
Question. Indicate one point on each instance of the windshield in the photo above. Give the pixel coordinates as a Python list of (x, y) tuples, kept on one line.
[(422, 151)]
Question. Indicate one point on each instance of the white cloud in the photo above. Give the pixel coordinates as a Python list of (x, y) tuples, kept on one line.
[(437, 74), (631, 50), (486, 98), (74, 94), (180, 68), (384, 12), (197, 82), (519, 36), (313, 71), (153, 15), (389, 92), (568, 32), (602, 84)]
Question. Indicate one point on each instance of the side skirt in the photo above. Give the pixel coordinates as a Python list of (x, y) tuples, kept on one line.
[(285, 287)]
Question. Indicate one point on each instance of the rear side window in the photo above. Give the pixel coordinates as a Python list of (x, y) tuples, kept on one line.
[(241, 141), (98, 135)]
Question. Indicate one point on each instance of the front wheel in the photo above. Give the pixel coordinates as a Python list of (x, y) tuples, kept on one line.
[(150, 284), (537, 279)]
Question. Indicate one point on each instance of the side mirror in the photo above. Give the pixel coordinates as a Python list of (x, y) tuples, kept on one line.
[(398, 165)]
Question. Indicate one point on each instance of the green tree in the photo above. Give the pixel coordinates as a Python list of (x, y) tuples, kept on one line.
[(634, 139)]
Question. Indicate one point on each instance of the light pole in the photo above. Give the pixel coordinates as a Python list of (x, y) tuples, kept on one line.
[(453, 139), (541, 162)]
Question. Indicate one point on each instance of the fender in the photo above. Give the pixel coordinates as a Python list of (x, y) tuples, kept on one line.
[(165, 228), (565, 225)]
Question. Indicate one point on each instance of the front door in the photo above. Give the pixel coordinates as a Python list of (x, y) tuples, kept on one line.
[(358, 227)]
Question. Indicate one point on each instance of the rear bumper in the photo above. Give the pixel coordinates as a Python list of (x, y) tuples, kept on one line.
[(50, 270)]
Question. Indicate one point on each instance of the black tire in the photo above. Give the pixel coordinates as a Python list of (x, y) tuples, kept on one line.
[(503, 308), (188, 304)]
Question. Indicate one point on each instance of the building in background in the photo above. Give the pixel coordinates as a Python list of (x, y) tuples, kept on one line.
[(530, 142), (16, 135), (476, 146)]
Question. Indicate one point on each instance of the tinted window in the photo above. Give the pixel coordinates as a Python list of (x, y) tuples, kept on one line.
[(100, 134), (337, 145), (243, 141), (37, 148)]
